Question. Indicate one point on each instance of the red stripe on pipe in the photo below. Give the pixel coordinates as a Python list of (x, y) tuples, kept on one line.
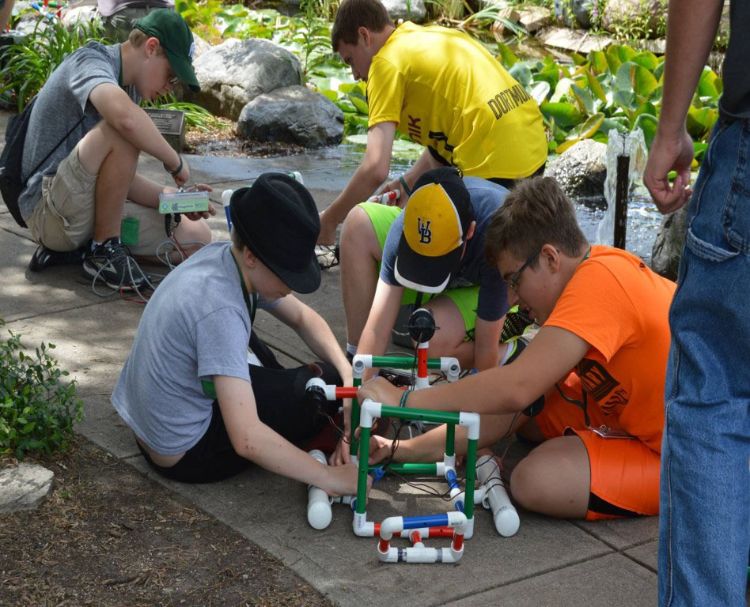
[(346, 392), (422, 362), (442, 532)]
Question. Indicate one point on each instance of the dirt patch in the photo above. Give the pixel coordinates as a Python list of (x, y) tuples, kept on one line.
[(107, 535), (223, 141)]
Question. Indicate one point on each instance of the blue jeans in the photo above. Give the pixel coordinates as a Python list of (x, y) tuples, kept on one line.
[(705, 481)]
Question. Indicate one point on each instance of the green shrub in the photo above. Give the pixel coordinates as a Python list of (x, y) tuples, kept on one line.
[(37, 405), (28, 65)]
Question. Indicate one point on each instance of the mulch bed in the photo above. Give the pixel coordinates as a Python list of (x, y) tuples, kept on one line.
[(107, 535)]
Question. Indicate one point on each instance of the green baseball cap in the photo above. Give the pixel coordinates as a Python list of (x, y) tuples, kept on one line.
[(176, 39)]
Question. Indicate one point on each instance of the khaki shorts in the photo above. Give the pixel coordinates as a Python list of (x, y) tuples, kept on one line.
[(63, 220)]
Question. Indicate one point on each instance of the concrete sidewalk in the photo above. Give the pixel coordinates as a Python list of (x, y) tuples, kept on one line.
[(549, 562)]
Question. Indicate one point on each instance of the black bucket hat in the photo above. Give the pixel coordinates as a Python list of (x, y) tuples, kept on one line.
[(276, 218)]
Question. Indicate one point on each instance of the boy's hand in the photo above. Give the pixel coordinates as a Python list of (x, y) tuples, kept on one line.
[(380, 390), (342, 480), (201, 187), (340, 455), (380, 449)]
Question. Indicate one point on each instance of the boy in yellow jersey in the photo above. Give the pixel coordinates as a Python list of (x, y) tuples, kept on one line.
[(446, 92)]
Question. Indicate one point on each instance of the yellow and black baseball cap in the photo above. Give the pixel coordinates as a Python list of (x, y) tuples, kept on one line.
[(176, 39), (436, 219)]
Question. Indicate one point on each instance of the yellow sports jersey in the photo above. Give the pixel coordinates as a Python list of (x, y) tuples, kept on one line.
[(448, 93)]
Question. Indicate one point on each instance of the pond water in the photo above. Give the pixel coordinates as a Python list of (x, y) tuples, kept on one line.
[(329, 170)]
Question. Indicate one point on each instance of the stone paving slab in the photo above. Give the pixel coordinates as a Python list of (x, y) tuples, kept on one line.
[(613, 580)]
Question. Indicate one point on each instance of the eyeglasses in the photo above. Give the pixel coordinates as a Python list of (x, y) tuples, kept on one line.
[(513, 280)]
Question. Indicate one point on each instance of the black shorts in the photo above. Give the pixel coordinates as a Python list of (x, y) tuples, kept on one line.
[(282, 405)]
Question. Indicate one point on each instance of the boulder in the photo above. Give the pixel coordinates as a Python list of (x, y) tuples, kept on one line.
[(575, 13), (534, 18), (23, 487), (581, 169), (293, 114), (408, 10), (235, 72), (670, 240)]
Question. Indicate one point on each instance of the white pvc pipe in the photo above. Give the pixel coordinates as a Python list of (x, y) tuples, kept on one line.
[(451, 367), (471, 421), (319, 513), (361, 526), (495, 497), (420, 554), (360, 362)]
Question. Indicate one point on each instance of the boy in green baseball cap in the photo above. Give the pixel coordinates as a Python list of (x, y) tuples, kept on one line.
[(80, 177)]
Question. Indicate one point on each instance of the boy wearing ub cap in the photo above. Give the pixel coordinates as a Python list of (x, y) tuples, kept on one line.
[(436, 248), (85, 134), (198, 410)]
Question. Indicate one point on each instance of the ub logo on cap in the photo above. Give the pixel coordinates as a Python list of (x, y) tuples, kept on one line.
[(425, 235), (440, 210)]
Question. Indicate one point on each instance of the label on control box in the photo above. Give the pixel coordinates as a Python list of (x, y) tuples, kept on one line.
[(183, 202)]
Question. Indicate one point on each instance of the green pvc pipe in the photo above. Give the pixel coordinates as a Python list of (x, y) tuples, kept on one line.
[(471, 476), (410, 468), (403, 362), (425, 415), (364, 456), (450, 439), (354, 420)]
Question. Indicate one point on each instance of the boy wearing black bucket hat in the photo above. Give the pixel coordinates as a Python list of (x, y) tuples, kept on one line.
[(88, 131), (198, 410)]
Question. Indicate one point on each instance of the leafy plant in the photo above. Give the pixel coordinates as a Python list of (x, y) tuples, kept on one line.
[(618, 88), (28, 65), (37, 406), (196, 116)]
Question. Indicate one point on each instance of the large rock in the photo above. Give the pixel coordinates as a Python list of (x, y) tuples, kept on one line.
[(234, 73), (23, 487), (581, 169), (575, 13), (534, 18), (667, 251), (293, 114), (408, 10)]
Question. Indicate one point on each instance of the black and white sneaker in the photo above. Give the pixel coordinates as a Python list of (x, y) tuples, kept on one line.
[(112, 263), (46, 258)]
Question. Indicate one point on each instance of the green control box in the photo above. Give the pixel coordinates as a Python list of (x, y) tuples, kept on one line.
[(183, 202)]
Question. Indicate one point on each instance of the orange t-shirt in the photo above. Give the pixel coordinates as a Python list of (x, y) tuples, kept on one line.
[(620, 307)]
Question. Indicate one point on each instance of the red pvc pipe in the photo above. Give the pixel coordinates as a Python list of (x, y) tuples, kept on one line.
[(421, 362), (346, 392)]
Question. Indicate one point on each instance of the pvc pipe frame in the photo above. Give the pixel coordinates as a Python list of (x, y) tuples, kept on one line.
[(371, 410), (418, 552), (447, 364)]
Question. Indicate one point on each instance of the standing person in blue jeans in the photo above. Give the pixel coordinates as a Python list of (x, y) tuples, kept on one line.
[(705, 481)]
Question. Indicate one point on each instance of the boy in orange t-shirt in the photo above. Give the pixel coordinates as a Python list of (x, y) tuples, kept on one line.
[(599, 360)]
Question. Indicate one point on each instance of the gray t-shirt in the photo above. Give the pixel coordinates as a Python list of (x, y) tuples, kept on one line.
[(486, 198), (62, 101), (196, 325)]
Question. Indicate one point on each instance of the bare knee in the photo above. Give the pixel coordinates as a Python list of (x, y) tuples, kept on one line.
[(192, 235), (358, 236), (524, 485), (103, 143)]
